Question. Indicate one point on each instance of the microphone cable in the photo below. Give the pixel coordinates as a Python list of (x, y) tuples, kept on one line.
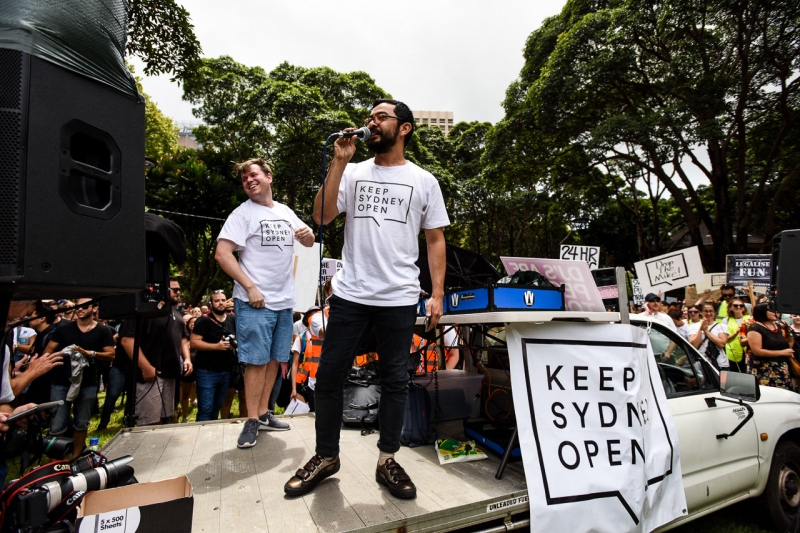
[(321, 285)]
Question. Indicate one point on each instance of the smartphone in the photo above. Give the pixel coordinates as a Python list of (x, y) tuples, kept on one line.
[(28, 412)]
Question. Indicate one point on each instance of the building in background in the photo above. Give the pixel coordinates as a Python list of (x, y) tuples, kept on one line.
[(441, 119), (186, 138)]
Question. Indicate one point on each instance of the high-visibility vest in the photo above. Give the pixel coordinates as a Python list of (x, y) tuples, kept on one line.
[(308, 368), (429, 357)]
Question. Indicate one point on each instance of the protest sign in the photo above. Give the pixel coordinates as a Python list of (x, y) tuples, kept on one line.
[(638, 295), (305, 269), (580, 290), (589, 254), (746, 267), (599, 446), (608, 292), (670, 271), (330, 267)]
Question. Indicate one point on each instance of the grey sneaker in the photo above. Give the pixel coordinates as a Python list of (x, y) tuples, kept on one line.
[(247, 438), (268, 422)]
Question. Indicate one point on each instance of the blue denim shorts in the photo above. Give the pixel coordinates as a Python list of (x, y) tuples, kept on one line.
[(262, 334), (82, 408)]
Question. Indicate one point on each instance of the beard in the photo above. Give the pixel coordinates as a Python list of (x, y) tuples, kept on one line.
[(387, 140)]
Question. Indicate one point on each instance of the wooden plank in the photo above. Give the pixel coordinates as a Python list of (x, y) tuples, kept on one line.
[(177, 456), (149, 452), (124, 445), (241, 495), (277, 456), (205, 474)]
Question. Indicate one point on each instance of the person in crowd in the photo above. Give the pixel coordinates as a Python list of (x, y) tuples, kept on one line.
[(197, 312), (118, 377), (263, 232), (187, 382), (38, 364), (680, 326), (769, 349), (749, 321), (305, 355), (653, 309), (731, 324), (164, 340), (215, 359), (378, 285), (709, 337), (187, 317), (693, 314), (727, 294), (204, 309), (88, 341), (297, 328)]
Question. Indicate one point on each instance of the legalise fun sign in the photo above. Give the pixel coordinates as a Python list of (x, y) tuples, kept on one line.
[(598, 443)]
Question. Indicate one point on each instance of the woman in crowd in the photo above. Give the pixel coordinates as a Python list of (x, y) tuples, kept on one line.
[(693, 315), (709, 337), (768, 348), (731, 324)]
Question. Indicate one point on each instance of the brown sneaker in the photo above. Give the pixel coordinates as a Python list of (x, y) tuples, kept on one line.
[(310, 475), (392, 476)]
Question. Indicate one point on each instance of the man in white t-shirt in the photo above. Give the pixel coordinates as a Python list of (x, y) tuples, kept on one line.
[(263, 232), (387, 201)]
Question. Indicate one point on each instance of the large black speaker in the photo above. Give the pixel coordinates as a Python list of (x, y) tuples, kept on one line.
[(71, 183), (785, 263)]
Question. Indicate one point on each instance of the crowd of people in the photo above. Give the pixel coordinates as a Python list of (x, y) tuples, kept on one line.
[(739, 333)]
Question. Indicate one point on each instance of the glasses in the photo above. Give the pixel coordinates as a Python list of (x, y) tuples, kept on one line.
[(83, 306), (656, 300), (694, 312), (738, 306), (218, 291), (229, 311), (378, 118), (175, 289), (728, 295)]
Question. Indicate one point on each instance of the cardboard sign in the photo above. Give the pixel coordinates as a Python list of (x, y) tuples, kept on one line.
[(305, 269), (746, 267), (588, 254), (580, 290), (599, 446), (330, 267), (670, 271), (638, 295), (718, 280)]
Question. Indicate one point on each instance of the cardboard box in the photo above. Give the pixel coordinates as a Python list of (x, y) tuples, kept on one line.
[(160, 506)]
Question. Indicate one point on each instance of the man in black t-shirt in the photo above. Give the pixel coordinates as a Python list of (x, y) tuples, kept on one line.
[(88, 339), (215, 357), (163, 341)]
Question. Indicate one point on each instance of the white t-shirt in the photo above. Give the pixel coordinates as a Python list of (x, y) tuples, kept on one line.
[(386, 208), (683, 331), (715, 329), (298, 328), (264, 238), (6, 394)]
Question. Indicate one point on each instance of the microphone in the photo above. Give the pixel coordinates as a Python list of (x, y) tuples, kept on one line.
[(361, 134)]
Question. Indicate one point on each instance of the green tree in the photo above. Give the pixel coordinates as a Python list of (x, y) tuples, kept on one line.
[(652, 85)]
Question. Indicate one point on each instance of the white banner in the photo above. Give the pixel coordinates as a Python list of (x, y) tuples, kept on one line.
[(599, 445), (587, 254), (305, 269), (670, 271)]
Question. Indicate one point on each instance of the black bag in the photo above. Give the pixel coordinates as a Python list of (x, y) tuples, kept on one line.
[(362, 396), (418, 428)]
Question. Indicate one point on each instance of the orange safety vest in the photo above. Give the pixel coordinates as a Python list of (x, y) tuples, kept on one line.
[(308, 368), (431, 356)]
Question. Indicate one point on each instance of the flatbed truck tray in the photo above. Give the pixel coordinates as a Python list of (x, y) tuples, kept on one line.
[(239, 490)]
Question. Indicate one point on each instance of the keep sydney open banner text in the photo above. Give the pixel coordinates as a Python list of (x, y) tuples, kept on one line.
[(599, 445)]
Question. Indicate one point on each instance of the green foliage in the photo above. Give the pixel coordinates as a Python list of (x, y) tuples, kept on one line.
[(198, 185), (159, 32), (629, 86)]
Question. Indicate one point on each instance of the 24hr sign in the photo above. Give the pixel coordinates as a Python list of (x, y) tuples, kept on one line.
[(597, 439)]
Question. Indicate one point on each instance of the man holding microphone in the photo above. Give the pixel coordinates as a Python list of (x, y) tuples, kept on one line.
[(387, 201)]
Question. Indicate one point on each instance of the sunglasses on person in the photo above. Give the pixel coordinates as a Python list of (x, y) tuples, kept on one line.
[(738, 306), (218, 291), (378, 118), (694, 312), (728, 295)]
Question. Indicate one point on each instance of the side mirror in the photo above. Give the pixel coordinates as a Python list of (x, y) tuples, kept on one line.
[(739, 386)]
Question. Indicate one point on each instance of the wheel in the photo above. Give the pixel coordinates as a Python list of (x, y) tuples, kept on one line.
[(781, 499)]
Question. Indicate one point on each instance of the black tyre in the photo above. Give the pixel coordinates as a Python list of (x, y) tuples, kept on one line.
[(780, 502)]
